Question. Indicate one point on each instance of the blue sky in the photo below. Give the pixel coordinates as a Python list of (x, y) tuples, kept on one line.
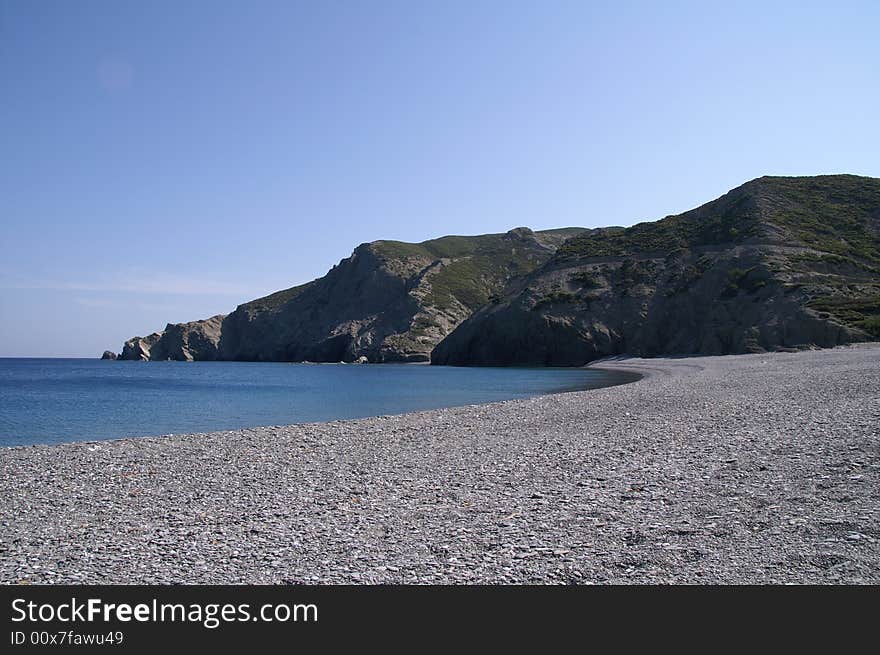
[(165, 161)]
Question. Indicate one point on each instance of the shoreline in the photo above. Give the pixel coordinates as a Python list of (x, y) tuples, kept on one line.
[(735, 469), (614, 378)]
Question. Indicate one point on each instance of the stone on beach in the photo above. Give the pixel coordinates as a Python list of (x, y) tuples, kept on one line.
[(741, 469)]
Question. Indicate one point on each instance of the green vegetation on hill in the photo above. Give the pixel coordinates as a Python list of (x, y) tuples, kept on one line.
[(724, 221), (836, 214), (471, 280), (556, 298), (276, 299), (474, 268), (747, 280), (585, 280), (454, 246), (860, 310), (833, 213)]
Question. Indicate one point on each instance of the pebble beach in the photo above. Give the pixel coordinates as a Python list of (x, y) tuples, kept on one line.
[(759, 468)]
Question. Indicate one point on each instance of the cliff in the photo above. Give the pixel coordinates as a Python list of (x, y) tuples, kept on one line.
[(776, 263), (389, 302), (179, 341)]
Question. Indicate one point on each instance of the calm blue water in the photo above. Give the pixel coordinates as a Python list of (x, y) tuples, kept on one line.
[(55, 400)]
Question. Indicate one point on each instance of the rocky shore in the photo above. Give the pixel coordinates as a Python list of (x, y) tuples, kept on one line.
[(742, 469)]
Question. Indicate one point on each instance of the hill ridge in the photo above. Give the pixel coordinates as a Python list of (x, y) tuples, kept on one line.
[(388, 301), (777, 262)]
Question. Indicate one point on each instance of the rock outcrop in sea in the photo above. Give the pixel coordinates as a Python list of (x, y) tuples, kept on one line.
[(197, 340)]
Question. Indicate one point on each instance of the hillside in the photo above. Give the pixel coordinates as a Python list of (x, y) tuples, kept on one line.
[(775, 263), (389, 302)]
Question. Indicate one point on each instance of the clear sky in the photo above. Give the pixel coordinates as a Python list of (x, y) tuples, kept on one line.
[(165, 161)]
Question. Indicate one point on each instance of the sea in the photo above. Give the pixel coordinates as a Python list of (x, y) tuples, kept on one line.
[(48, 401)]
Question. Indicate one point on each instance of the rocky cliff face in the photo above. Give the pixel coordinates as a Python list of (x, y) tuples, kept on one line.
[(389, 302), (776, 263), (197, 340)]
